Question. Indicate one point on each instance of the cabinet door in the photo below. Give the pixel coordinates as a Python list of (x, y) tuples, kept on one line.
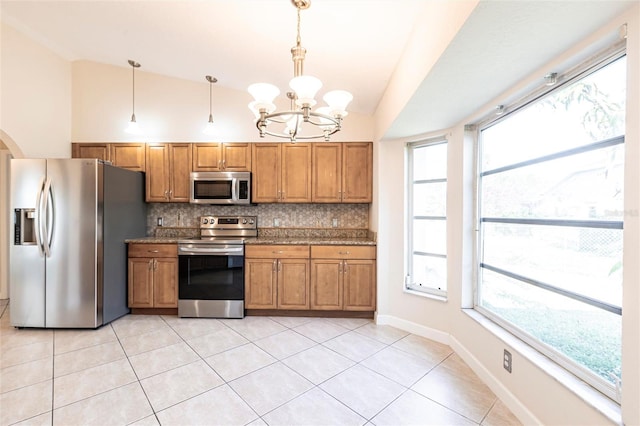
[(129, 156), (207, 157), (91, 150), (326, 284), (359, 285), (293, 284), (180, 168), (296, 173), (157, 175), (327, 173), (236, 157), (165, 283), (265, 166), (357, 172), (140, 282), (260, 283)]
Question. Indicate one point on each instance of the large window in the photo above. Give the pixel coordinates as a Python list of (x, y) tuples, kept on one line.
[(427, 221), (550, 190)]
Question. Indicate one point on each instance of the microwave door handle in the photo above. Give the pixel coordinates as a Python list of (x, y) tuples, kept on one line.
[(234, 188)]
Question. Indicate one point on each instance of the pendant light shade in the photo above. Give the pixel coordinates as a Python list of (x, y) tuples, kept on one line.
[(210, 128), (133, 128)]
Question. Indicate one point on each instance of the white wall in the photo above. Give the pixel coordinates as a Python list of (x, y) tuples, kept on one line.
[(531, 393), (169, 109), (4, 223), (35, 96)]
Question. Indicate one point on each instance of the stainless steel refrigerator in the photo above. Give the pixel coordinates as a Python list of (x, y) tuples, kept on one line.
[(68, 258)]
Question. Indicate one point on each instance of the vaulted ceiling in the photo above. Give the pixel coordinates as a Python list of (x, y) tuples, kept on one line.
[(352, 44)]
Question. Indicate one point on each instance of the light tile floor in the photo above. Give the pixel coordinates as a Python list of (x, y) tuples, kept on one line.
[(150, 370)]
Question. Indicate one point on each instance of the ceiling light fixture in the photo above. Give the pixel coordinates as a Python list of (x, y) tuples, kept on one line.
[(133, 127), (327, 119), (210, 129)]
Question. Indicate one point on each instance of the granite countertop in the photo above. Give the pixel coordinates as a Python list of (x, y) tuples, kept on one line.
[(294, 236), (268, 240), (311, 241)]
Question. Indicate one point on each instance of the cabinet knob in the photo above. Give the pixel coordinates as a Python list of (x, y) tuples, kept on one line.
[(153, 251)]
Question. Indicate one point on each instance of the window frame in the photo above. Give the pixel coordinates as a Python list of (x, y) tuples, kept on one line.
[(425, 291), (582, 70)]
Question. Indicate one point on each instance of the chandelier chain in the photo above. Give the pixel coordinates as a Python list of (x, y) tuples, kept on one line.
[(298, 39)]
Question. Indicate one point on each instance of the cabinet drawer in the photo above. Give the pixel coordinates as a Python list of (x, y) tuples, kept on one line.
[(277, 252), (343, 252), (153, 250)]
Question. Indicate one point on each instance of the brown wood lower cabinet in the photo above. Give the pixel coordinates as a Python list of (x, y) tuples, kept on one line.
[(343, 278), (277, 277), (310, 278), (153, 275)]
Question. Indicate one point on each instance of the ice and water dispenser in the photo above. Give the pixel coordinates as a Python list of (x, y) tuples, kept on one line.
[(25, 227)]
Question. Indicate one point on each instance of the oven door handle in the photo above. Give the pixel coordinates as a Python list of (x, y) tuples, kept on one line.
[(210, 250)]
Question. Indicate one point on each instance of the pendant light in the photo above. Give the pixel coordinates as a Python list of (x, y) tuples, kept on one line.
[(210, 129), (133, 127)]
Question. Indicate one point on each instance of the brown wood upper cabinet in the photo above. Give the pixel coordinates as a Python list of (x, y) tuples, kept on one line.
[(125, 155), (168, 169), (221, 157), (281, 172), (342, 172)]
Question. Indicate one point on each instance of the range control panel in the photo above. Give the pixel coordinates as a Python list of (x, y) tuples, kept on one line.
[(228, 222)]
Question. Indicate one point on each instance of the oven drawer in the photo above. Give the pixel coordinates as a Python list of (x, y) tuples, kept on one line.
[(153, 250), (277, 251)]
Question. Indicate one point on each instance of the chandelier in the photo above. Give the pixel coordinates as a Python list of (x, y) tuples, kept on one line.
[(325, 120)]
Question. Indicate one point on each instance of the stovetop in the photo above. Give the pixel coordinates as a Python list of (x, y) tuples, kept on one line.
[(225, 230)]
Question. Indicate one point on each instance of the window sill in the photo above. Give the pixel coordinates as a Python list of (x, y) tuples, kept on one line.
[(426, 295), (582, 390)]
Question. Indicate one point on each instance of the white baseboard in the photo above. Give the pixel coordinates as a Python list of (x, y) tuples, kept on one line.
[(412, 327), (517, 408), (502, 392)]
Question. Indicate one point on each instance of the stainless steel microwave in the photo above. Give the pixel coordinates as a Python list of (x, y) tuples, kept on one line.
[(220, 187)]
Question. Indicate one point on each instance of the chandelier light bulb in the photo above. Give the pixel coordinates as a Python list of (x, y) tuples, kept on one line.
[(264, 94), (306, 87), (338, 101)]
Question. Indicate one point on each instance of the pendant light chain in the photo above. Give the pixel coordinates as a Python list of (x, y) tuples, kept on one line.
[(133, 91)]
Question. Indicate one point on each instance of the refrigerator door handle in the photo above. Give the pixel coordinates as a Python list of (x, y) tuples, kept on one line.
[(38, 219), (48, 219)]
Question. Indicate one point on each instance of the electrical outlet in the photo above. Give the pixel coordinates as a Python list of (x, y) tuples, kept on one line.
[(506, 360), (160, 221), (276, 222), (334, 222)]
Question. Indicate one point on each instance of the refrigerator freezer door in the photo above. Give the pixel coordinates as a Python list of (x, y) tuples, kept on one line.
[(27, 265), (72, 228)]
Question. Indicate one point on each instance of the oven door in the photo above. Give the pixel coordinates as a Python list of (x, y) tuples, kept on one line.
[(211, 281)]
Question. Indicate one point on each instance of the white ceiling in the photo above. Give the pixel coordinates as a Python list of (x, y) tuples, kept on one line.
[(351, 44)]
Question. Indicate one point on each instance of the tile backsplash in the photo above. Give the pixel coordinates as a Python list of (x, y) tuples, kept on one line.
[(179, 215)]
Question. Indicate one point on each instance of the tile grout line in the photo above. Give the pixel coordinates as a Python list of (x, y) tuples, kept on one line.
[(136, 375)]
